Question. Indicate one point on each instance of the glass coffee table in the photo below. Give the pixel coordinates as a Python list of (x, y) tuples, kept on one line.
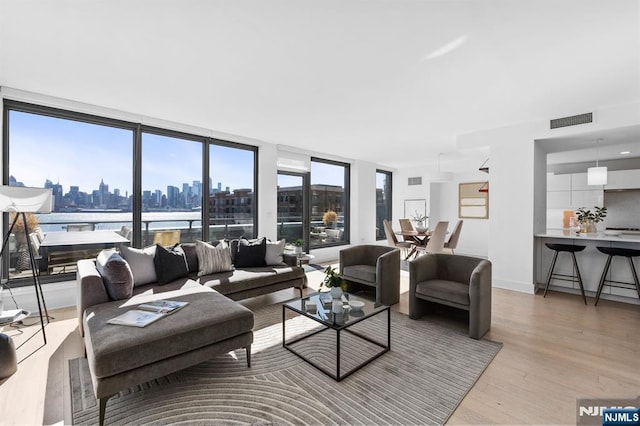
[(359, 336)]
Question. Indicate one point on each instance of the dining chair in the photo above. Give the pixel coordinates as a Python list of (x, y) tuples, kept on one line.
[(452, 243), (166, 238), (436, 240), (404, 246), (405, 225)]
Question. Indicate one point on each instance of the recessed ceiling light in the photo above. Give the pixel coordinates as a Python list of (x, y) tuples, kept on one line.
[(625, 152)]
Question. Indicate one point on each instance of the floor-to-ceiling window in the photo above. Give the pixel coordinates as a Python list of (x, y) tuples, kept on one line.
[(117, 177), (87, 164), (383, 201), (232, 204), (293, 215), (329, 192), (171, 189)]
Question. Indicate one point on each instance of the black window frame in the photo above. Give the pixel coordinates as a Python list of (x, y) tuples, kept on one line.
[(137, 129), (389, 204), (347, 201)]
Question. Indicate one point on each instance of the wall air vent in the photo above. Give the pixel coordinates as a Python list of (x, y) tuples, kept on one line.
[(574, 120), (415, 180)]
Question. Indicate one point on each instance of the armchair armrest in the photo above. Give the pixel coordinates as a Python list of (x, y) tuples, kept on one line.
[(480, 282), (387, 266)]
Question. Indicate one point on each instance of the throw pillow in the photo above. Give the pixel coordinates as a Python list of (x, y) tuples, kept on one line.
[(251, 254), (212, 259), (191, 255), (116, 274), (141, 263), (170, 264), (274, 252)]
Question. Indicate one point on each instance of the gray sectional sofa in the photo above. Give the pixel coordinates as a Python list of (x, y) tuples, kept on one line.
[(212, 323), (238, 284)]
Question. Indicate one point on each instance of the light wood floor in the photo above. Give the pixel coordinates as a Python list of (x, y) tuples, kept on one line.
[(555, 351)]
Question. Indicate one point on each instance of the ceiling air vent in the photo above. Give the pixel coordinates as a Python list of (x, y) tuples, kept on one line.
[(574, 120), (415, 180)]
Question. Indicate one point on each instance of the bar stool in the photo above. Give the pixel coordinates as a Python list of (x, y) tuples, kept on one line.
[(624, 252), (569, 248)]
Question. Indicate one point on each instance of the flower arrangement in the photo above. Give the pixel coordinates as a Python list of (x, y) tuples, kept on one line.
[(597, 216), (419, 218), (332, 278), (329, 218)]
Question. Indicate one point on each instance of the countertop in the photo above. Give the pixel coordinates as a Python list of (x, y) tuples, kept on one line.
[(600, 236)]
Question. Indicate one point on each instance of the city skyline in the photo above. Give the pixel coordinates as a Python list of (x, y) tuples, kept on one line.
[(191, 194)]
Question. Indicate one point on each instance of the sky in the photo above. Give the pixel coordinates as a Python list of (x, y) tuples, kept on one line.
[(76, 153), (84, 154)]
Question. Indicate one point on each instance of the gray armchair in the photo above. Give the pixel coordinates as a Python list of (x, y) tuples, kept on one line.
[(463, 282), (373, 266)]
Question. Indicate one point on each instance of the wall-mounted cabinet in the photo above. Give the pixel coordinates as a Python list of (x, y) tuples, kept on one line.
[(623, 179), (570, 191)]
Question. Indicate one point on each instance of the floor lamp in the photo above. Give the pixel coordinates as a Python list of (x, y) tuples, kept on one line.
[(21, 200)]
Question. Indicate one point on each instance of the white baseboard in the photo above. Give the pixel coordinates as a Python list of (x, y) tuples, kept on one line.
[(512, 285)]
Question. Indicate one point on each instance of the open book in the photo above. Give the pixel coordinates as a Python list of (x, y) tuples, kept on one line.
[(147, 313)]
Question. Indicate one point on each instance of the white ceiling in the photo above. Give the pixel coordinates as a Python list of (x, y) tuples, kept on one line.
[(387, 81)]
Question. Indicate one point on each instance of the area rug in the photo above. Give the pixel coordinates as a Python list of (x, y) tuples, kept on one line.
[(421, 380)]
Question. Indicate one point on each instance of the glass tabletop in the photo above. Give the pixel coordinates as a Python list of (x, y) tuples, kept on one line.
[(335, 313)]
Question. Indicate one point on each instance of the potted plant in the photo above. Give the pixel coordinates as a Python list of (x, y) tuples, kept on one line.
[(297, 247), (420, 220), (330, 218), (334, 282), (18, 228), (588, 219)]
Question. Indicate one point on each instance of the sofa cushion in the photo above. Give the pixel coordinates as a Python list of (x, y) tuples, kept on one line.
[(170, 264), (274, 252), (251, 254), (141, 263), (360, 272), (240, 280), (116, 274), (213, 259), (444, 290), (208, 318)]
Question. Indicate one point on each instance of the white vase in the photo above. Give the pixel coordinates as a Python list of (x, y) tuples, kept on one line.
[(336, 292)]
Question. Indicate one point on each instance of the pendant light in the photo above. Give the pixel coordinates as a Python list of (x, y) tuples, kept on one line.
[(597, 175)]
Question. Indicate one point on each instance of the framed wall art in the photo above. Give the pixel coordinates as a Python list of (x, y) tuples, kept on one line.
[(472, 202)]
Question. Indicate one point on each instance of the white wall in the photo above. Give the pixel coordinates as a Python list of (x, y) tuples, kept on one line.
[(514, 166), (267, 194), (402, 191), (474, 238)]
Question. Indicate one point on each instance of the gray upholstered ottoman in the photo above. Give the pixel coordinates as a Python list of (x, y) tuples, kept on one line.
[(121, 356)]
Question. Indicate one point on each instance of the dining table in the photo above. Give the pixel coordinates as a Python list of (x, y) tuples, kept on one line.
[(57, 242), (419, 239)]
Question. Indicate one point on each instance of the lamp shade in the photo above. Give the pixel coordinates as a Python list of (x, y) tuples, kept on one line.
[(596, 176), (25, 199), (440, 176)]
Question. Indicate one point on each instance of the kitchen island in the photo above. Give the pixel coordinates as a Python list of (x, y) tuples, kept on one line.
[(590, 261)]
